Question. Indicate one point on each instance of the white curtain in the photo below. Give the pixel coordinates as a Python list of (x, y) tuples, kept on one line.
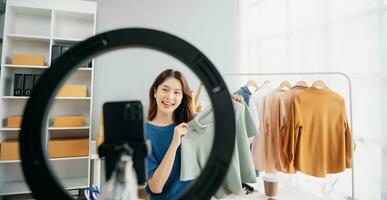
[(328, 35)]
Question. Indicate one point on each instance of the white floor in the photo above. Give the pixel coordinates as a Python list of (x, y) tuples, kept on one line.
[(291, 188)]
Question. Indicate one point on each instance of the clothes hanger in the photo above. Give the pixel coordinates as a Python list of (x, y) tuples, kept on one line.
[(302, 83), (253, 84), (285, 85), (196, 98), (319, 84), (266, 82)]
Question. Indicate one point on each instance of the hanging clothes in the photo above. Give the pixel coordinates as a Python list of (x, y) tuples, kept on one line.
[(256, 101), (266, 148), (318, 138), (296, 90), (197, 144), (245, 92), (280, 164)]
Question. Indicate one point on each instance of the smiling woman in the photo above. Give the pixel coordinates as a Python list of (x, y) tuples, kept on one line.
[(169, 110)]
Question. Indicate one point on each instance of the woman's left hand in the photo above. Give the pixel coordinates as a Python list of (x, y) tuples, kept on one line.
[(238, 98)]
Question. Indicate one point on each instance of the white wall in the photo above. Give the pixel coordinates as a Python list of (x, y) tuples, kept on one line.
[(127, 74)]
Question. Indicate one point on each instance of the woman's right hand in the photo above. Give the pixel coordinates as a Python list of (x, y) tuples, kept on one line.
[(179, 132)]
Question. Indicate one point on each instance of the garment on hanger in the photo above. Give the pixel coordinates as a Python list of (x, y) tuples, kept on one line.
[(197, 144), (318, 138), (296, 89), (279, 161), (245, 93), (267, 147), (256, 101)]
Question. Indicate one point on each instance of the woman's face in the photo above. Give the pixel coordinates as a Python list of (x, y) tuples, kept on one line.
[(169, 95)]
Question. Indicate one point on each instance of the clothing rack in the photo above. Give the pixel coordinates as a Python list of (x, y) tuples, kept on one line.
[(316, 74)]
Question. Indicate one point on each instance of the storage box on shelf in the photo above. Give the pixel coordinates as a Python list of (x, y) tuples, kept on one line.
[(9, 150), (32, 31), (69, 147), (25, 59), (14, 121), (73, 91), (68, 121)]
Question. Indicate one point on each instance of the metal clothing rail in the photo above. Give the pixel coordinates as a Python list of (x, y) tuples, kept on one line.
[(318, 73)]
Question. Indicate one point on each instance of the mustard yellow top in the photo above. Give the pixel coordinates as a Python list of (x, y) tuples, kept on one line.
[(318, 139)]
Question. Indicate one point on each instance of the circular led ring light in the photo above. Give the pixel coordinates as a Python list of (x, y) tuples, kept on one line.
[(41, 179)]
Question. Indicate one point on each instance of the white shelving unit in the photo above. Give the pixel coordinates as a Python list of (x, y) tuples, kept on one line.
[(20, 187), (39, 67), (52, 159), (33, 27)]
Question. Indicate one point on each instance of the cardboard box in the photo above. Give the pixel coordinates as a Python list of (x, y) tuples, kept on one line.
[(100, 134), (100, 139), (69, 147), (69, 121), (9, 150), (24, 59), (14, 121), (73, 91)]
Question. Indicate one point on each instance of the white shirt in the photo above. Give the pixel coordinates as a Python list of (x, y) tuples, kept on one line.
[(255, 102)]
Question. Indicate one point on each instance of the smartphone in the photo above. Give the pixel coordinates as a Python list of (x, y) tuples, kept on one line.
[(124, 122)]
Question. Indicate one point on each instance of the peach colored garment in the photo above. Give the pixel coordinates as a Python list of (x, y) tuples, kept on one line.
[(274, 114), (278, 142), (318, 138)]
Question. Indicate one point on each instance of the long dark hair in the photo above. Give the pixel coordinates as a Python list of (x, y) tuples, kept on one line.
[(183, 113)]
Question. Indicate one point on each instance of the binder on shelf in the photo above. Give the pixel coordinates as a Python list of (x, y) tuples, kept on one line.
[(83, 64), (18, 85), (28, 84), (64, 49), (36, 78), (56, 52)]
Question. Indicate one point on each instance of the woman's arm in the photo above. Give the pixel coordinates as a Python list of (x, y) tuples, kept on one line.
[(161, 174)]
